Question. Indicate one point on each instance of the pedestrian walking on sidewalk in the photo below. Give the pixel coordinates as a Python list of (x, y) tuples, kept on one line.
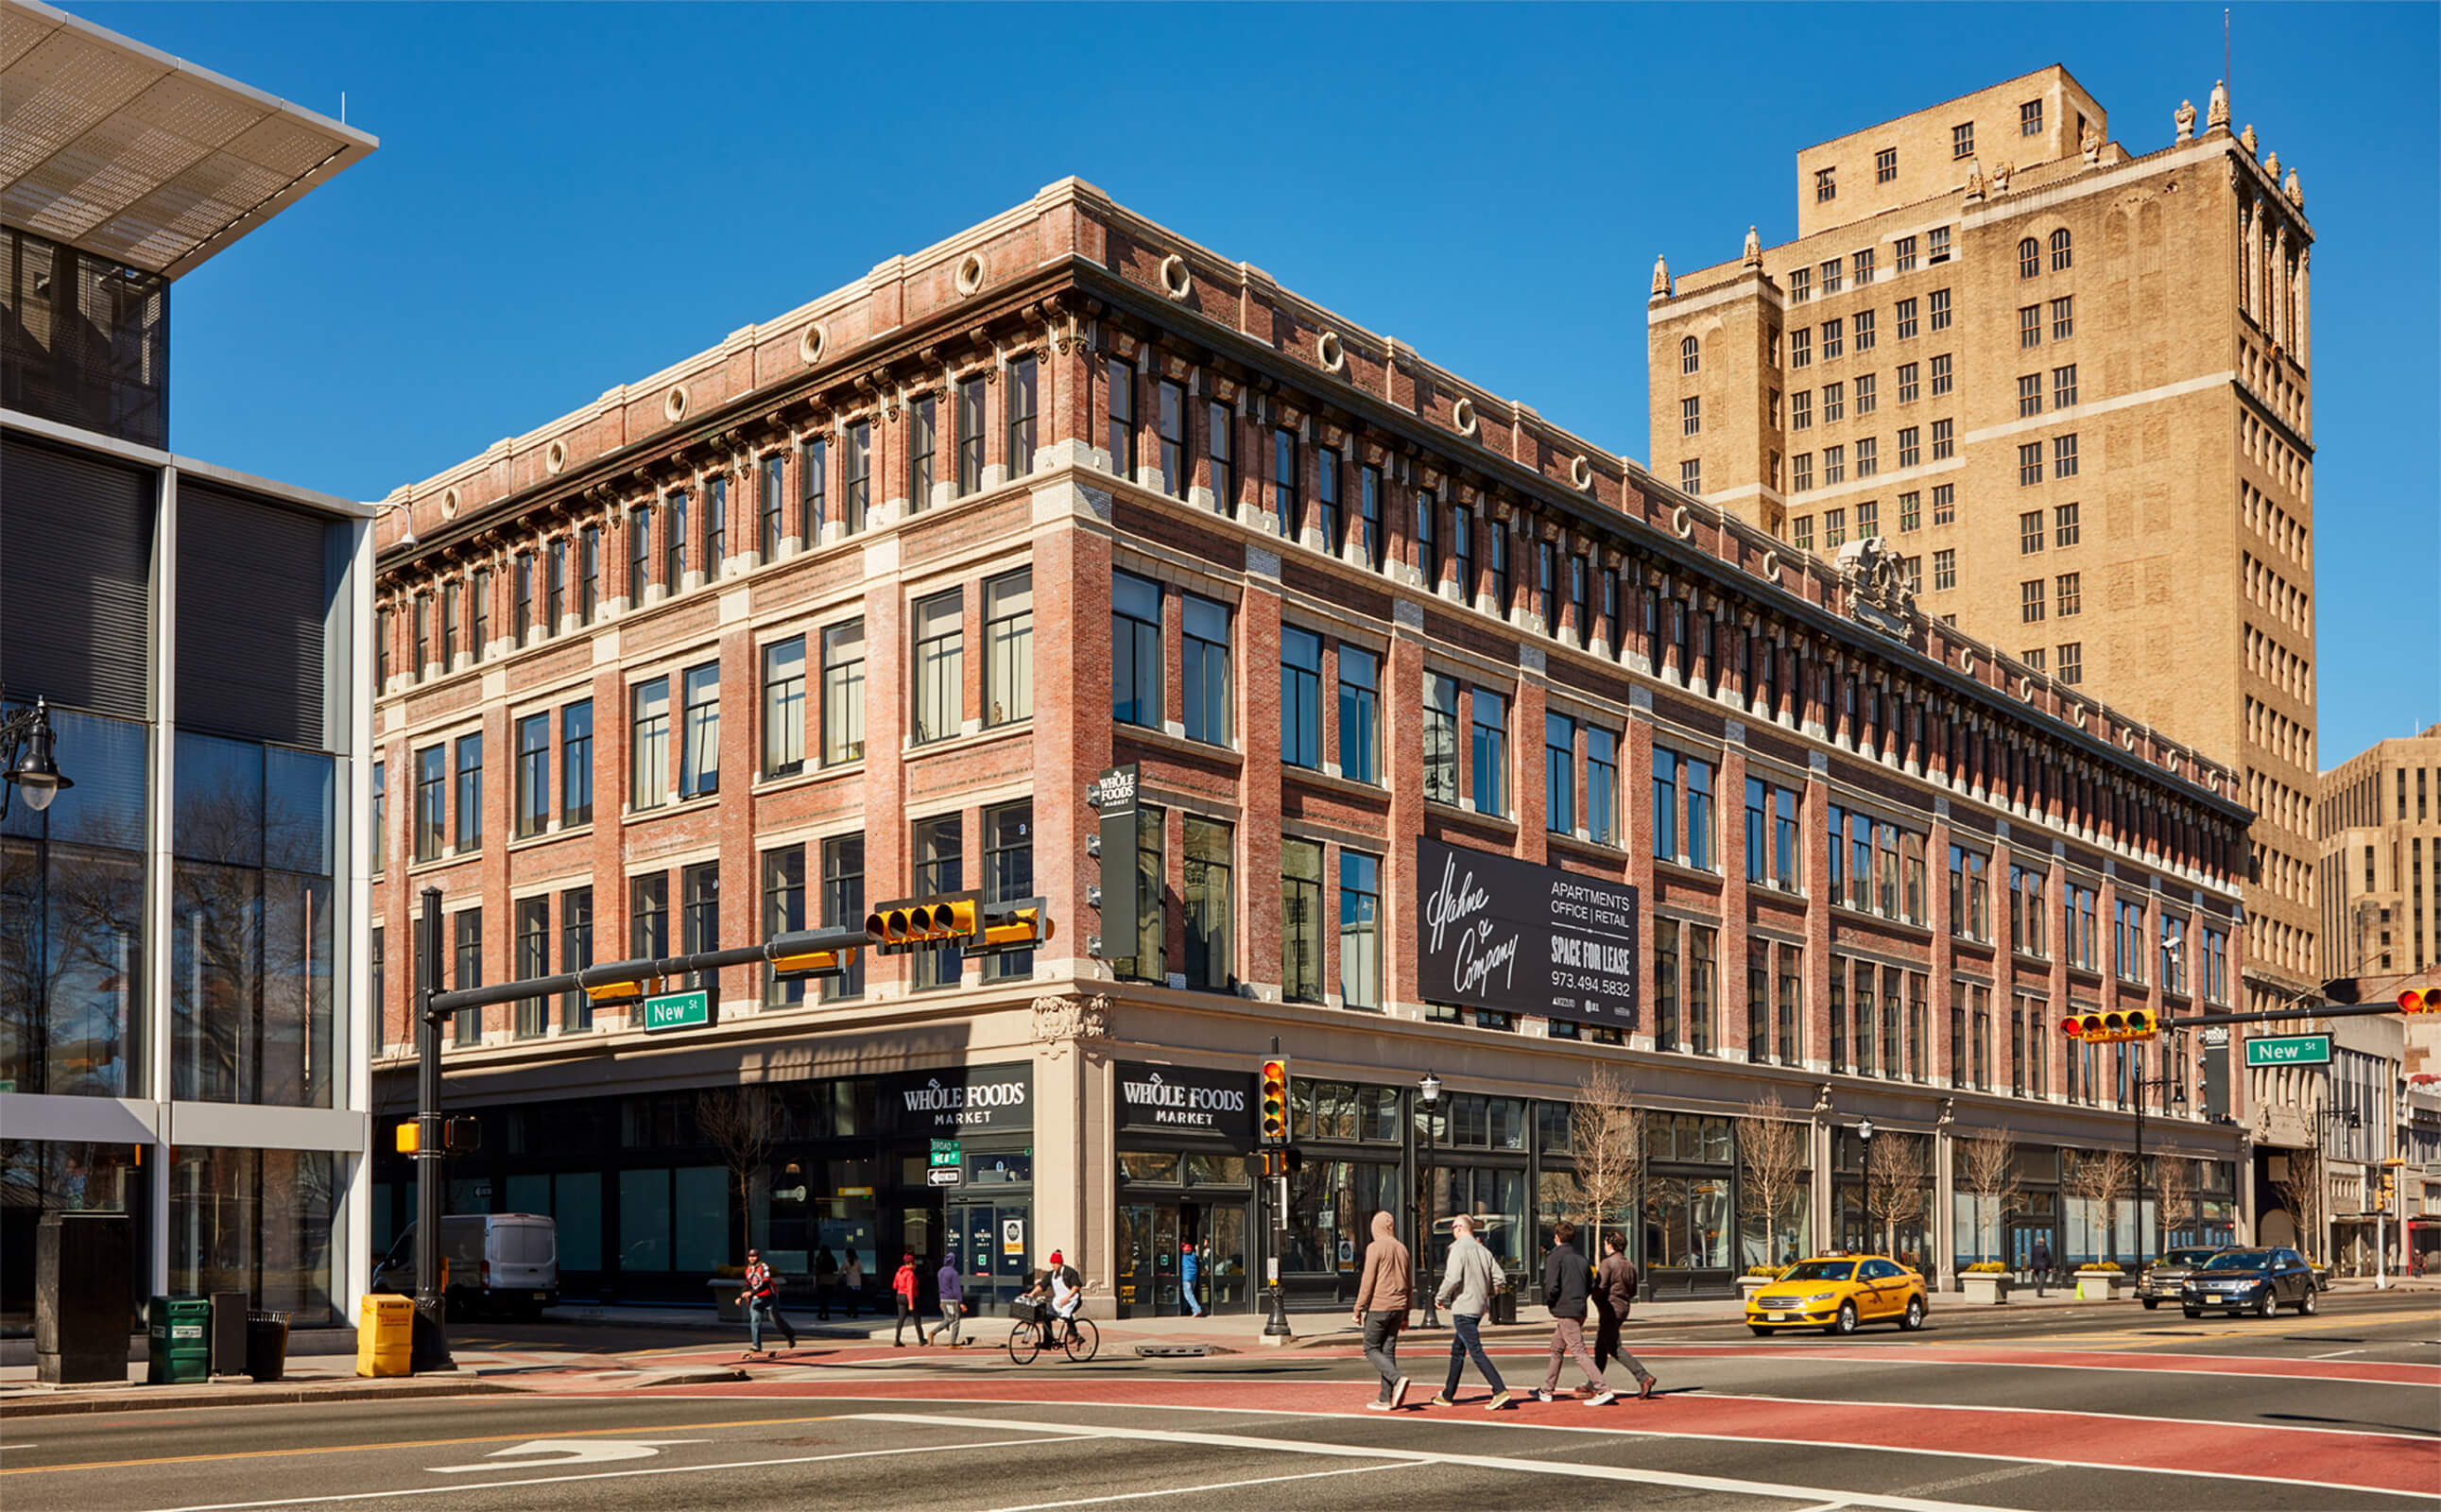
[(2041, 1261), (825, 1281), (1567, 1281), (852, 1281), (762, 1288), (953, 1300), (1468, 1282), (902, 1286), (1382, 1304), (1614, 1282)]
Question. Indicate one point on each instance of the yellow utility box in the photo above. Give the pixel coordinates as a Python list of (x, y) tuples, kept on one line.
[(386, 1335)]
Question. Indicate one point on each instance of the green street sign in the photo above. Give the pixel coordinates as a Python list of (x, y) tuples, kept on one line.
[(2289, 1050), (949, 1152), (678, 1010)]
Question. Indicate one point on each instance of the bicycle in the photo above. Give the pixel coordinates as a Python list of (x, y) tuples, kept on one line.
[(1082, 1341)]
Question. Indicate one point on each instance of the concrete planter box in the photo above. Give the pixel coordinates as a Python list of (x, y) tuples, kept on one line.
[(1749, 1285), (1983, 1288), (2099, 1286), (728, 1295)]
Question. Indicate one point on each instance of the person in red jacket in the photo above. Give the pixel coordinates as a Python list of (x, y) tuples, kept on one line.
[(903, 1286)]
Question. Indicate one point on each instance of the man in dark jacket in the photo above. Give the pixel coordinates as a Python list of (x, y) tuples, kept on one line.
[(2041, 1262), (1566, 1283), (1615, 1283)]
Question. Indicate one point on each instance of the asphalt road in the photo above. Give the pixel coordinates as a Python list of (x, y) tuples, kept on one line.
[(2113, 1409)]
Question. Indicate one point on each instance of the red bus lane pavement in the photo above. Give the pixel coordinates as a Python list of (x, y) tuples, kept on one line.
[(2340, 1459)]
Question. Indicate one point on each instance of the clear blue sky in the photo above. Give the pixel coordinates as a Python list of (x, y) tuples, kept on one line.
[(568, 197)]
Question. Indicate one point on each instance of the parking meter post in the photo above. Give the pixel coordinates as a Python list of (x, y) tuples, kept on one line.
[(431, 1346)]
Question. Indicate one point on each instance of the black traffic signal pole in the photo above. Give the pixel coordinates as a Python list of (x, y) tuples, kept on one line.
[(2327, 1010), (431, 1340)]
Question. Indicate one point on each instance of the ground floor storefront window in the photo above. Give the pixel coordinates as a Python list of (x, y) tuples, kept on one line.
[(53, 1176), (256, 1221)]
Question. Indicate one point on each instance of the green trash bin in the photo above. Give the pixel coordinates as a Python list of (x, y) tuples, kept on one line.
[(180, 1331)]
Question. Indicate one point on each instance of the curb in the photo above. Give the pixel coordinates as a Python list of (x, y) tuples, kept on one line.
[(132, 1401)]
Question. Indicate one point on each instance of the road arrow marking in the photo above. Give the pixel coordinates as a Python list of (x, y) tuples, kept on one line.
[(540, 1453)]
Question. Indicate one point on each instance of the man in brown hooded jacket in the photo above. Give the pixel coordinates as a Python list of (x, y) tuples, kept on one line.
[(1382, 1304)]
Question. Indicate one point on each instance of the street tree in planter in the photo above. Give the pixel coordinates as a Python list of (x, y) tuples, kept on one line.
[(742, 1123), (1606, 1133), (1895, 1197), (1773, 1167)]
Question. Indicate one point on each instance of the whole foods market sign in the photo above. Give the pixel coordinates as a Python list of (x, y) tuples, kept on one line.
[(1514, 937), (961, 1100), (1187, 1099)]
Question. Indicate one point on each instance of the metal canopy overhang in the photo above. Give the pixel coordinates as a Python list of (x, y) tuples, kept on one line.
[(116, 149)]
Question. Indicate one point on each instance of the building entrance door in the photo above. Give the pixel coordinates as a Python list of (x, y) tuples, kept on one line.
[(1153, 1242)]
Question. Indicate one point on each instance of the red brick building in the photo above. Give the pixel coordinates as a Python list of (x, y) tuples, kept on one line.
[(855, 607)]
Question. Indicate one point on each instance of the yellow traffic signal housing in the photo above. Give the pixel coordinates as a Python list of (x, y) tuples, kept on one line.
[(2116, 1027), (917, 924), (409, 1137), (1274, 1100), (627, 981), (1020, 924), (794, 956), (2420, 1001)]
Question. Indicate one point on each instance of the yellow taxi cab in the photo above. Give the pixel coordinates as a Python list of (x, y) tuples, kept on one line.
[(1835, 1292)]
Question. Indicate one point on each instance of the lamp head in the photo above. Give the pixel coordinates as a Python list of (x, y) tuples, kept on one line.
[(1429, 1089), (35, 773), (1865, 1129)]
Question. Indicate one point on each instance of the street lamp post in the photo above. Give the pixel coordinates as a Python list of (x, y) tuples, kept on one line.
[(2177, 1093), (1865, 1193), (1428, 1094), (25, 759)]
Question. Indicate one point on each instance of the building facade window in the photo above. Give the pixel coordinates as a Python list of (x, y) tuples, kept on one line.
[(940, 667), (1300, 921), (2064, 387), (1008, 647), (783, 706), (813, 490), (1559, 774), (784, 913), (856, 502), (2069, 593), (468, 799), (1360, 931), (1009, 875), (1022, 399), (1203, 662), (1886, 165), (843, 906), (648, 743), (970, 434), (1301, 699), (1288, 492), (1120, 439), (2062, 250), (699, 742), (1170, 426), (2064, 318), (1489, 716), (576, 764), (674, 546), (1942, 381), (1209, 899), (939, 857), (1440, 738), (1360, 717), (534, 774), (1135, 651), (1961, 140), (843, 693), (1329, 510)]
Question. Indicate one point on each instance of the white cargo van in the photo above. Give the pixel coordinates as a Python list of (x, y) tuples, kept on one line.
[(496, 1262)]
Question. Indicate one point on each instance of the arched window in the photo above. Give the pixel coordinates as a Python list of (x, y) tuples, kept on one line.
[(2060, 250), (2029, 257), (1689, 357)]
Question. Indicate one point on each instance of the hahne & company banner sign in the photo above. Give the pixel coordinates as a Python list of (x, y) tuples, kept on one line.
[(1514, 937)]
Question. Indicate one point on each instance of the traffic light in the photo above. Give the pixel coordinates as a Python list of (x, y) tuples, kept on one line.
[(1275, 1099), (410, 1139), (918, 923), (1020, 924), (462, 1133), (2420, 1001), (794, 957), (2115, 1027), (620, 983)]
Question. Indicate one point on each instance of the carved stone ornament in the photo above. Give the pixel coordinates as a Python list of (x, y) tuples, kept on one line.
[(1877, 586), (2271, 166), (1660, 278), (2090, 145), (2217, 109), (2295, 191), (2247, 139), (2185, 117), (2002, 173), (1753, 255), (1975, 179), (1059, 1022)]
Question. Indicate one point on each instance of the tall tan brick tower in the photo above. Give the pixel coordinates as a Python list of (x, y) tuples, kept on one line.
[(2069, 384)]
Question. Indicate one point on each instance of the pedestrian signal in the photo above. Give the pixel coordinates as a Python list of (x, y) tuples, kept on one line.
[(1275, 1099), (2118, 1026), (409, 1137), (794, 957), (2420, 1001)]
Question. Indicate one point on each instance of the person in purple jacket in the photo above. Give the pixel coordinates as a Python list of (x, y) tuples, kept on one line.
[(952, 1302)]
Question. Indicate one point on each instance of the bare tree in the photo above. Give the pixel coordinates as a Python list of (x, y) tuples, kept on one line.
[(1606, 1133), (742, 1125), (1896, 1194), (1987, 1167), (1771, 1155), (2173, 1188), (2301, 1193), (2102, 1180)]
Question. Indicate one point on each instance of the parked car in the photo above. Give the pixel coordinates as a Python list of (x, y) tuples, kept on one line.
[(2163, 1277), (495, 1262), (2256, 1280), (1835, 1292)]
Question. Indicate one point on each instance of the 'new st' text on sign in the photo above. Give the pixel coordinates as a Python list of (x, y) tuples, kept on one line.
[(2289, 1050), (1514, 937), (677, 1009)]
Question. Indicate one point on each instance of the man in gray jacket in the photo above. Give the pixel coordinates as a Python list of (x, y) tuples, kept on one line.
[(1466, 1289)]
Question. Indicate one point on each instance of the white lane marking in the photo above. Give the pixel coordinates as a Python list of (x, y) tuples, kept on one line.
[(1484, 1462), (549, 1454), (2337, 1353), (1701, 1438), (1221, 1485), (462, 1486), (2064, 1411)]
